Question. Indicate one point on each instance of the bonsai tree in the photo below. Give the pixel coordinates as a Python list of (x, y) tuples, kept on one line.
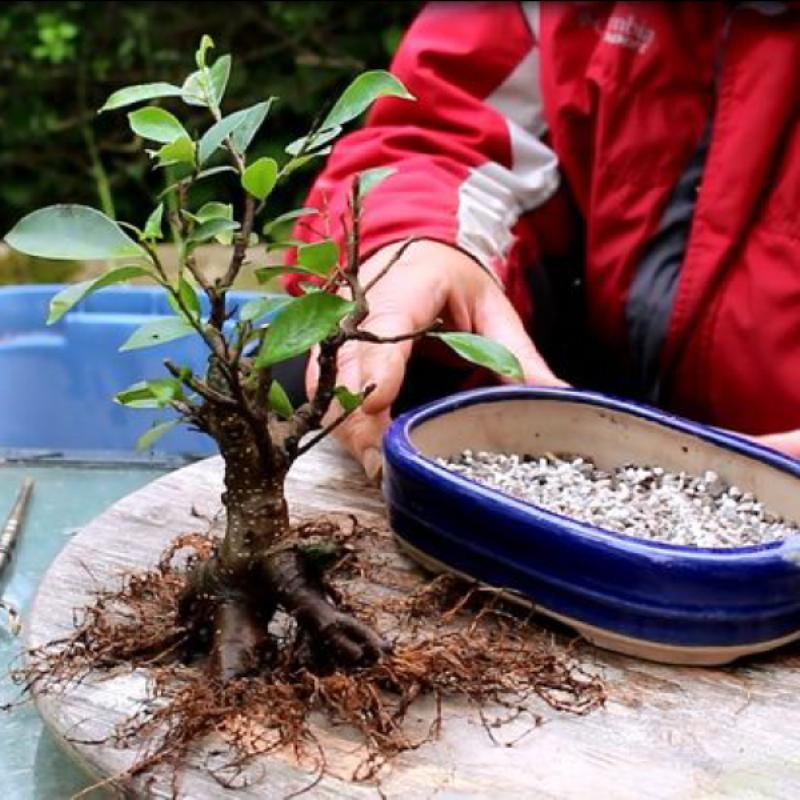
[(232, 596)]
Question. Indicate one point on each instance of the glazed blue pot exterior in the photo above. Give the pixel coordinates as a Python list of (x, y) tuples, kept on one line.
[(661, 593)]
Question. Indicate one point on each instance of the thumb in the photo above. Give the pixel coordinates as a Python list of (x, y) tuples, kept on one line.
[(495, 318), (788, 442)]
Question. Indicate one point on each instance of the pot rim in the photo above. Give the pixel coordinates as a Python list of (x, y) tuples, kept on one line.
[(400, 450)]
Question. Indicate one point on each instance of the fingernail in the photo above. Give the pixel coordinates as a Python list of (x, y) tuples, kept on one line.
[(373, 462)]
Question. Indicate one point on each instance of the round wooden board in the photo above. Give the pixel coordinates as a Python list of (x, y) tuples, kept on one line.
[(665, 732)]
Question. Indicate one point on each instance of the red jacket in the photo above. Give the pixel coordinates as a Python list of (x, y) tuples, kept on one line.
[(520, 105)]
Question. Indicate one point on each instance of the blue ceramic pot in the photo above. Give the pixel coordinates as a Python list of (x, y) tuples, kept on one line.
[(659, 601)]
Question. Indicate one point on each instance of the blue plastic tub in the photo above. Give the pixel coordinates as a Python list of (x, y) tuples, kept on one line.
[(57, 382), (659, 601)]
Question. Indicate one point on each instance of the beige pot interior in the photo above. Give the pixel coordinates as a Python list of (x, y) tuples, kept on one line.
[(610, 438)]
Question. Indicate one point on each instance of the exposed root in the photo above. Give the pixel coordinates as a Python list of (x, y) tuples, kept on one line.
[(334, 636), (449, 640), (227, 612)]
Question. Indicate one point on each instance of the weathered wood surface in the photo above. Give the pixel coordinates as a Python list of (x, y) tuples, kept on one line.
[(665, 732)]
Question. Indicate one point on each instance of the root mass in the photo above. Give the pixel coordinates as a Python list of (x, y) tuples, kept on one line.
[(267, 686)]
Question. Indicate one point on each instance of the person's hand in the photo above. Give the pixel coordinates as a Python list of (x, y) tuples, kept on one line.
[(787, 442), (431, 280)]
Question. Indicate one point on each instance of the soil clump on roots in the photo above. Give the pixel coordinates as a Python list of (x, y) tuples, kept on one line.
[(448, 640)]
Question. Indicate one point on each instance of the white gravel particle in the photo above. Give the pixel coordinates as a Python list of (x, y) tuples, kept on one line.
[(641, 501)]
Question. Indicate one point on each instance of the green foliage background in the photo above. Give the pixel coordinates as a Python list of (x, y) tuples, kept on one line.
[(60, 60)]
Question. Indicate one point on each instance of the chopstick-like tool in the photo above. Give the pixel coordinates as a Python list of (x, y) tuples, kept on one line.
[(14, 522), (8, 538)]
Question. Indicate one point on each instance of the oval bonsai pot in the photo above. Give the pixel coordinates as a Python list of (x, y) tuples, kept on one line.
[(662, 602)]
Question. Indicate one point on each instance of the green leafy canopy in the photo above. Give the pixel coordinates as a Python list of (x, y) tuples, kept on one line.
[(279, 327)]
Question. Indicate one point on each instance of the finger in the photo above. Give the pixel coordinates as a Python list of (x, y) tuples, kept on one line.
[(495, 318), (361, 434), (381, 365), (312, 372), (787, 442), (362, 431), (361, 364)]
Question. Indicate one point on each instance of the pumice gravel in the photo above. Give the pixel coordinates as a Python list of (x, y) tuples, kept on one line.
[(641, 501)]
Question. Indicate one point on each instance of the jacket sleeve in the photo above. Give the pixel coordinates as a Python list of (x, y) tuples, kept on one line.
[(468, 154)]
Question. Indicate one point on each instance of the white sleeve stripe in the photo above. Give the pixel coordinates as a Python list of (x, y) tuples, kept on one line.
[(519, 97), (493, 197), (531, 12)]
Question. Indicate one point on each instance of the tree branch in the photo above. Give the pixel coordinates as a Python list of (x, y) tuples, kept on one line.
[(331, 427), (240, 248), (221, 285), (399, 253), (372, 338), (213, 345), (262, 388), (309, 416), (201, 387)]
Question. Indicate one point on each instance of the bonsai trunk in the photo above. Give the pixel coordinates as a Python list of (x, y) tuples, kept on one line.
[(231, 598)]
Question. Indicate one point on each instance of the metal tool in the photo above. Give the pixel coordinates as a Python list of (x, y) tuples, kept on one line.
[(13, 524)]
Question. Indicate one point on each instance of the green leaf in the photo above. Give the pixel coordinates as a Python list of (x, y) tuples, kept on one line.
[(252, 120), (301, 161), (370, 178), (206, 44), (139, 395), (203, 86), (156, 124), (218, 75), (72, 295), (483, 352), (304, 322), (361, 93), (319, 257), (152, 435), (261, 306), (137, 94), (349, 401), (72, 232), (216, 210), (158, 331), (265, 274), (189, 299), (241, 126), (260, 177), (211, 229), (279, 401), (181, 151), (193, 91), (306, 144), (150, 394), (152, 228), (287, 217), (165, 390)]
